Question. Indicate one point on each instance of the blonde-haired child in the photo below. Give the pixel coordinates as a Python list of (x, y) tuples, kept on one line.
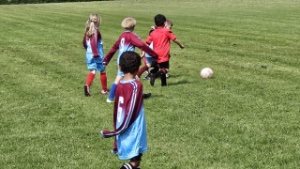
[(92, 42), (169, 25), (126, 42)]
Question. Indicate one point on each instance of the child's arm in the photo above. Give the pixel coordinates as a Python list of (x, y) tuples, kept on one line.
[(122, 128), (111, 53), (126, 111), (94, 46), (144, 47), (178, 43)]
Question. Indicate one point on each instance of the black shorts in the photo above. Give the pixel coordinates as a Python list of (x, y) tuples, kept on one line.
[(164, 65)]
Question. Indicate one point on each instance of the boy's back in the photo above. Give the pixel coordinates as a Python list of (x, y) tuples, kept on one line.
[(127, 41), (129, 98)]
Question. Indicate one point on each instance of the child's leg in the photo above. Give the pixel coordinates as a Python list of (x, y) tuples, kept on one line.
[(103, 79), (115, 149), (88, 82), (142, 70), (134, 163), (154, 73), (164, 70), (163, 77)]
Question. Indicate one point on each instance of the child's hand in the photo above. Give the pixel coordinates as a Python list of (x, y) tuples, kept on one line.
[(104, 132)]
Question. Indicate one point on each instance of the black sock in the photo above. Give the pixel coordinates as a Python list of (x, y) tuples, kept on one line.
[(163, 79), (127, 166)]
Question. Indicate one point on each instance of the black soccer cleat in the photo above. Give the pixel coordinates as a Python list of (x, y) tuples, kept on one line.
[(146, 95), (152, 79), (86, 90)]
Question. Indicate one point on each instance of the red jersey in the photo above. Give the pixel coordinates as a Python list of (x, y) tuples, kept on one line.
[(161, 38)]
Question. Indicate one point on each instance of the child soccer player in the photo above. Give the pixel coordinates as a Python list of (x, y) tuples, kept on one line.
[(148, 60), (169, 25), (160, 38), (126, 42), (92, 42), (129, 116)]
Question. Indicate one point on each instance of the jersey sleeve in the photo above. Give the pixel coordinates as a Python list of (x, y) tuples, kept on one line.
[(94, 41), (172, 35), (149, 40), (143, 46), (129, 106), (112, 51)]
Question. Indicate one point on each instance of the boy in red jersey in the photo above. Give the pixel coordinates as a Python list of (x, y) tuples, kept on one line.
[(161, 38), (129, 117)]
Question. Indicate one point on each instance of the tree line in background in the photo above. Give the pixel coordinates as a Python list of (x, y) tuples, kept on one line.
[(41, 1)]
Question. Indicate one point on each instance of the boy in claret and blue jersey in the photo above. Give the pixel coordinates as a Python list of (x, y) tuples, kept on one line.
[(126, 42), (129, 116)]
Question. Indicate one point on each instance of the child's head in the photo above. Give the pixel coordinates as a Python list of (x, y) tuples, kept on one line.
[(92, 23), (128, 23), (168, 24), (160, 20), (130, 62)]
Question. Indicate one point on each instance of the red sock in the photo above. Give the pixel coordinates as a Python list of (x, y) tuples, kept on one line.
[(142, 70), (103, 79), (89, 79)]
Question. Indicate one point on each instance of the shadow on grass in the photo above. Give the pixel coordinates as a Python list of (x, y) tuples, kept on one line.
[(179, 82)]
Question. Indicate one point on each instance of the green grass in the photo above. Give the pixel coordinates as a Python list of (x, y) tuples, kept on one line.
[(247, 116)]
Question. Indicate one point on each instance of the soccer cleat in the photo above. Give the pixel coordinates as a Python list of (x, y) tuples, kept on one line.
[(86, 90), (109, 101), (146, 95), (152, 79), (104, 91), (147, 77), (114, 151)]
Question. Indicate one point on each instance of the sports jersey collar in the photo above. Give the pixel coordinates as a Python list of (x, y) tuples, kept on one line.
[(127, 81)]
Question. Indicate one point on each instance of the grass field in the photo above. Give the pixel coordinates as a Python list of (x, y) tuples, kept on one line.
[(247, 116)]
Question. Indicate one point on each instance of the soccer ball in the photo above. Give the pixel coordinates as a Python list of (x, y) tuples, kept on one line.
[(206, 73)]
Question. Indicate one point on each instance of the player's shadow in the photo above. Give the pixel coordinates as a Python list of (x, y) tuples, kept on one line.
[(179, 82)]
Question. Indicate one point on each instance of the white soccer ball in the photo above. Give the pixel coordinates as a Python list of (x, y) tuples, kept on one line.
[(206, 73)]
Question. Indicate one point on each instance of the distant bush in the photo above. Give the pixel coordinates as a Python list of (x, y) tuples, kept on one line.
[(41, 1)]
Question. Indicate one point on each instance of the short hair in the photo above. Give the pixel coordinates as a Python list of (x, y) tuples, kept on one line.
[(130, 62), (169, 22), (160, 20), (128, 23)]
